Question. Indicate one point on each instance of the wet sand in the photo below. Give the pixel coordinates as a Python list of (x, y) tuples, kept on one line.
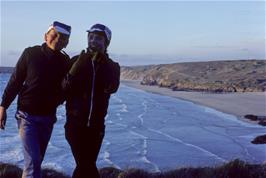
[(238, 104)]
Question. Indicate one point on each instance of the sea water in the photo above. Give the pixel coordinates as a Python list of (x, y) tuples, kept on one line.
[(148, 131)]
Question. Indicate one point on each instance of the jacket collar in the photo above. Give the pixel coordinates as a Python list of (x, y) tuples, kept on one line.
[(48, 51)]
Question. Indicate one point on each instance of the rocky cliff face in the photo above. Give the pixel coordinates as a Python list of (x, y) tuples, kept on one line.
[(213, 76), (135, 73)]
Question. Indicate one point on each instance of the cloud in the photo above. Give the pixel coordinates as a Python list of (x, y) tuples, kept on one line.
[(212, 47), (244, 49)]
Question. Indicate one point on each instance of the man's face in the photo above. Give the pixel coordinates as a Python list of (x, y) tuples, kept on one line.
[(96, 42), (55, 40)]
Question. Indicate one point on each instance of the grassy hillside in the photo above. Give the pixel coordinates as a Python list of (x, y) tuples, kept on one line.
[(233, 169), (212, 76)]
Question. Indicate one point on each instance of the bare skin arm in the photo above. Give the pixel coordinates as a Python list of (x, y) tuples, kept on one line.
[(2, 117)]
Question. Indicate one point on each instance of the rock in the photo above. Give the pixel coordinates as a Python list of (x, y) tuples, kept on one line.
[(259, 140), (251, 117), (260, 119)]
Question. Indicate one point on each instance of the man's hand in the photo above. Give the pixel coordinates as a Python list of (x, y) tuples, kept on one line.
[(99, 57), (80, 62), (2, 117), (95, 56)]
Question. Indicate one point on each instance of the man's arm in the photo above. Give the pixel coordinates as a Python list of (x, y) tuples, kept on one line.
[(13, 87), (2, 117), (75, 67), (68, 79), (113, 79)]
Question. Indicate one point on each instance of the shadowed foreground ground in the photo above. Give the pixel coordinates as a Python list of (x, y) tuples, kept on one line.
[(233, 169)]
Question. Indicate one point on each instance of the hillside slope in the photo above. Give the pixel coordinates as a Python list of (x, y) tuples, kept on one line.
[(212, 76)]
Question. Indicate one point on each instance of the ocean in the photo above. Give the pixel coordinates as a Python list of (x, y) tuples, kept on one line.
[(148, 131)]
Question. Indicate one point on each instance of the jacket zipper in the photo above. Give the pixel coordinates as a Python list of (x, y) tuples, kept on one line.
[(92, 92)]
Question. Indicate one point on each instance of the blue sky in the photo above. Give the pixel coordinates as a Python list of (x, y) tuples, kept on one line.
[(143, 32)]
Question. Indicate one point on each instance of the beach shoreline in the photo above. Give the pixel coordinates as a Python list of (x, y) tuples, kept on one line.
[(238, 104)]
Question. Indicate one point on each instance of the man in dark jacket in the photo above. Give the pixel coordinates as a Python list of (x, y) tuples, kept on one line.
[(91, 80), (37, 81)]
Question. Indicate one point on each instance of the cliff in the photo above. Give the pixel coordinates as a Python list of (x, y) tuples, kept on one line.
[(6, 69), (212, 76)]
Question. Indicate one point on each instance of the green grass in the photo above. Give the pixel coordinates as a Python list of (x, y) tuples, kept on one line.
[(233, 169)]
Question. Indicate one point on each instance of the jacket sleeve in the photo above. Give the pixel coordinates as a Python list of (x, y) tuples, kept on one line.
[(68, 80), (16, 81), (113, 79)]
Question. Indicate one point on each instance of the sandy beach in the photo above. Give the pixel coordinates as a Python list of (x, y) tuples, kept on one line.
[(238, 104)]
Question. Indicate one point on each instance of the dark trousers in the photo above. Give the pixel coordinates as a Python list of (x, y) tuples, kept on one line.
[(85, 143)]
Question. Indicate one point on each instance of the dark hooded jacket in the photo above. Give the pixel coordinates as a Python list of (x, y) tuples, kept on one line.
[(88, 92)]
